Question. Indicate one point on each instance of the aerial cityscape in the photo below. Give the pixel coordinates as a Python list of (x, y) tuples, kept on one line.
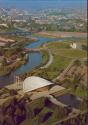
[(43, 62)]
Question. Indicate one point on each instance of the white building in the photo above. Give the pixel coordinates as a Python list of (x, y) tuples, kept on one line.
[(34, 83), (73, 45), (36, 87)]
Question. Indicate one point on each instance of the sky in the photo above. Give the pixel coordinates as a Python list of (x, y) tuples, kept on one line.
[(42, 4)]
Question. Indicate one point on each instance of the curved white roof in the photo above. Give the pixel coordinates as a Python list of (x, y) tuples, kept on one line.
[(34, 82)]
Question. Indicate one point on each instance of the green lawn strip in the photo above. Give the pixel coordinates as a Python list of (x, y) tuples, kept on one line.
[(70, 53), (58, 45), (63, 56), (79, 92), (44, 35), (58, 65), (63, 49), (45, 57)]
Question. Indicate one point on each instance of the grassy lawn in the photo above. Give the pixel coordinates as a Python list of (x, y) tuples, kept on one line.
[(63, 55), (62, 49), (69, 53), (79, 92), (45, 57), (58, 65)]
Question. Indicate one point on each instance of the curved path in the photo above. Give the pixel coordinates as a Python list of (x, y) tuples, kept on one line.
[(50, 58)]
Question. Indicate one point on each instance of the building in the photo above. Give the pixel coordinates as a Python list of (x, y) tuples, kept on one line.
[(36, 86), (36, 83), (73, 45)]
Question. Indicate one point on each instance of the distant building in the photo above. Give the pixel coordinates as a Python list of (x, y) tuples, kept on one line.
[(73, 45)]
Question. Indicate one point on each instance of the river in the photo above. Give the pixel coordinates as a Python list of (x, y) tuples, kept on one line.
[(34, 60)]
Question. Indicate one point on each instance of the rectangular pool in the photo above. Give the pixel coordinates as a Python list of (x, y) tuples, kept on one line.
[(69, 100)]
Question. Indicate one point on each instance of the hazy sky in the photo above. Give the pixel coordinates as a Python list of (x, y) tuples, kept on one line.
[(41, 4)]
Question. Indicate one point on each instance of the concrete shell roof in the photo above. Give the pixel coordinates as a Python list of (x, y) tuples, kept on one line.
[(34, 82)]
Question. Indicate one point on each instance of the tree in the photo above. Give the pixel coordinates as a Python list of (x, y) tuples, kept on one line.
[(77, 81)]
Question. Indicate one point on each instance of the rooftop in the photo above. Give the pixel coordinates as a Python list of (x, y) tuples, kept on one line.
[(33, 83)]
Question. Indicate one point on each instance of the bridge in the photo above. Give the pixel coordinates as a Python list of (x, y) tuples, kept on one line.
[(33, 49)]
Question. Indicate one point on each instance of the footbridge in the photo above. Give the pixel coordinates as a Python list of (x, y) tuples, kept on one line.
[(33, 49)]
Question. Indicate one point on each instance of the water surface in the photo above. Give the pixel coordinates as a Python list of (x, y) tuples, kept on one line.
[(70, 100), (35, 59)]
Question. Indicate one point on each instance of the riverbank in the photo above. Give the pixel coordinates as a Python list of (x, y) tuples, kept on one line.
[(54, 34), (45, 35), (60, 60), (62, 56), (14, 54)]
